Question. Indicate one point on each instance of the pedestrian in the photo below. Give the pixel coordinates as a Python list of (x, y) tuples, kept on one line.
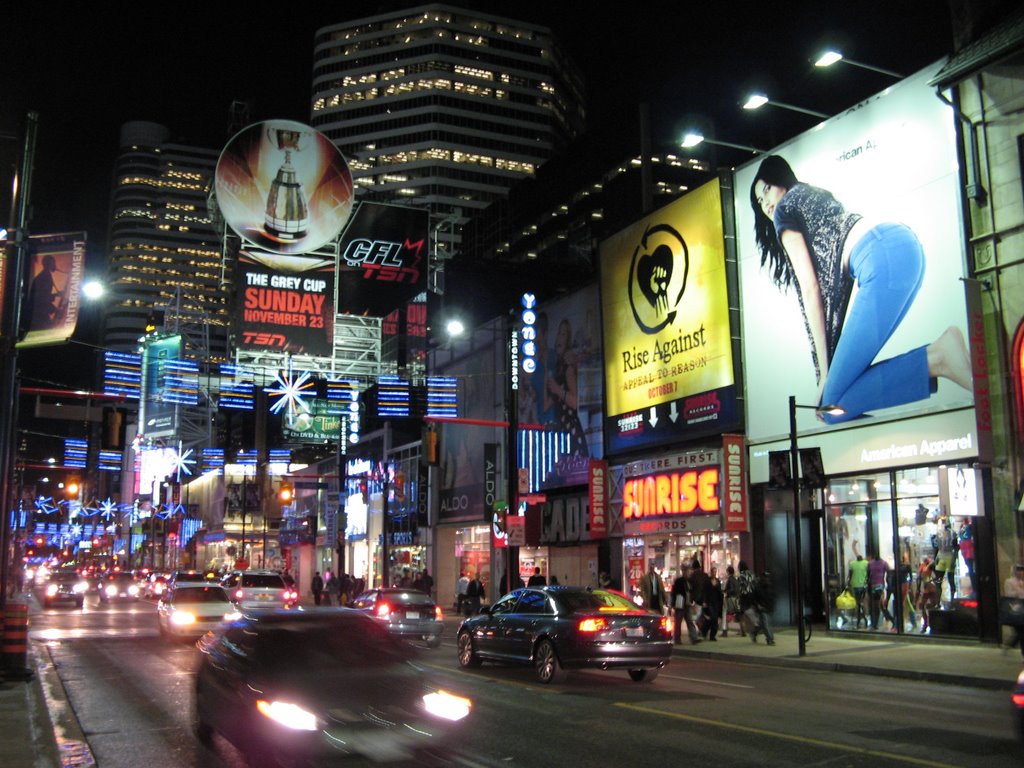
[(699, 587), (748, 586), (344, 589), (317, 587), (731, 588), (405, 582), (460, 591), (1011, 606), (333, 591), (680, 597), (417, 582), (474, 595), (325, 592), (714, 600), (604, 581), (652, 591), (537, 579), (929, 595), (428, 582), (764, 604)]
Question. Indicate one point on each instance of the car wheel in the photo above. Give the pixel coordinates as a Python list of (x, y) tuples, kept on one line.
[(545, 662), (643, 675), (433, 641), (467, 656)]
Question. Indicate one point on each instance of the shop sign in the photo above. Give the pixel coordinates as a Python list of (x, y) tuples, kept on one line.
[(516, 530), (598, 489), (675, 461), (693, 524), (564, 520), (672, 493), (734, 470)]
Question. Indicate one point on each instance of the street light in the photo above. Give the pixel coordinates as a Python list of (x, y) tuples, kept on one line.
[(830, 57), (794, 460), (758, 100), (691, 140)]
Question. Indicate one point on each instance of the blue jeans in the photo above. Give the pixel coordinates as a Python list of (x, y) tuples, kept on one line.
[(888, 266)]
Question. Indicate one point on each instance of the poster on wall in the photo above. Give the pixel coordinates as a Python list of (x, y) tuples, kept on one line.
[(560, 393), (667, 340), (850, 249), (283, 187), (284, 303)]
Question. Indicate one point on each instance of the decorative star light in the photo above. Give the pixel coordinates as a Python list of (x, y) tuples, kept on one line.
[(182, 463), (76, 531), (107, 509), (45, 505), (291, 391)]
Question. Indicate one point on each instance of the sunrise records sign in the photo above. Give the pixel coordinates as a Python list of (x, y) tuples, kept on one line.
[(284, 303), (283, 187), (383, 259), (667, 340)]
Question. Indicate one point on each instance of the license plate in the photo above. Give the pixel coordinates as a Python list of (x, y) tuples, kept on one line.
[(634, 631), (264, 597), (412, 614)]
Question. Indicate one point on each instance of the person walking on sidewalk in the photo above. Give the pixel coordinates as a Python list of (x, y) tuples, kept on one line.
[(681, 602), (652, 591), (1013, 589), (317, 588), (732, 600), (764, 604), (878, 583), (748, 586), (714, 599)]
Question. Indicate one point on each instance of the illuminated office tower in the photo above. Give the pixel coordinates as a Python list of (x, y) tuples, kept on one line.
[(164, 255), (443, 107)]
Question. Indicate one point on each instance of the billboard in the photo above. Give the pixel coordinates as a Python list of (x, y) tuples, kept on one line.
[(157, 414), (284, 303), (560, 392), (668, 345), (850, 250), (55, 272), (383, 259), (283, 187)]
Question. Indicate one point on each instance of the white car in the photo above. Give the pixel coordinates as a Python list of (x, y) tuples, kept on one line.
[(192, 610)]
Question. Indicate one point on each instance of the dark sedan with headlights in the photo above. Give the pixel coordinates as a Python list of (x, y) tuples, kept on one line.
[(560, 628), (295, 687)]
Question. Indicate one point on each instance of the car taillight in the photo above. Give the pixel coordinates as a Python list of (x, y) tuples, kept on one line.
[(239, 594), (383, 611), (593, 625), (289, 596), (438, 614), (1018, 699), (668, 625)]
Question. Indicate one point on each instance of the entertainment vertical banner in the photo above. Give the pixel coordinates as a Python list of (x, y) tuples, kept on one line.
[(55, 272)]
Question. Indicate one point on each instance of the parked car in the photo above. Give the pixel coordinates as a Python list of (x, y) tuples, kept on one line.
[(63, 587), (561, 628), (406, 613), (119, 586), (259, 589), (189, 611), (297, 687)]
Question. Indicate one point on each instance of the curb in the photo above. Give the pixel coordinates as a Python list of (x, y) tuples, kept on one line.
[(61, 739), (967, 681)]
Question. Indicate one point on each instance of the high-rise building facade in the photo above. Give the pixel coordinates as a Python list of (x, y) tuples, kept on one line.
[(164, 251), (443, 107)]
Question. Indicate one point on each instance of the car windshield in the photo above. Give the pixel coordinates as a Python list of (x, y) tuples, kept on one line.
[(328, 646), (595, 600), (65, 576), (404, 597), (262, 581), (200, 595), (121, 577)]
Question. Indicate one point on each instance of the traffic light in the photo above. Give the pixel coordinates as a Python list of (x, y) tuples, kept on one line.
[(286, 492)]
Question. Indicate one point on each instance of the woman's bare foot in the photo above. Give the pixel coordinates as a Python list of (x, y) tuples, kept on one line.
[(948, 358)]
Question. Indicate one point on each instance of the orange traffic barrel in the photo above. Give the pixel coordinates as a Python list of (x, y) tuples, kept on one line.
[(15, 642)]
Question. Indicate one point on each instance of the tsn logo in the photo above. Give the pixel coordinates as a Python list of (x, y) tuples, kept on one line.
[(263, 339)]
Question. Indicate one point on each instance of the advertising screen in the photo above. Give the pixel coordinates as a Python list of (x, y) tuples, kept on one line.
[(285, 303), (383, 259), (667, 341), (158, 417), (283, 187), (850, 254)]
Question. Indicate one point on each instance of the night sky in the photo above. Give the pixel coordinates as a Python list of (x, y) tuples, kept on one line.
[(86, 68)]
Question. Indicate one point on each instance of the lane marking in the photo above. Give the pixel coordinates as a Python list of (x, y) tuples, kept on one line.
[(810, 741), (708, 682)]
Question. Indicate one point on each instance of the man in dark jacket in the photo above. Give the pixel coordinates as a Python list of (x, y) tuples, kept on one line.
[(700, 586), (764, 604), (681, 602)]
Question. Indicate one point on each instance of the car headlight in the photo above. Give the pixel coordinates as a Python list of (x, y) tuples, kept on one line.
[(80, 587), (111, 590), (447, 705), (182, 618), (289, 715), (133, 590), (51, 589)]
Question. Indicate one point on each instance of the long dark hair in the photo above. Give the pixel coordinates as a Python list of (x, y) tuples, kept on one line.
[(777, 172)]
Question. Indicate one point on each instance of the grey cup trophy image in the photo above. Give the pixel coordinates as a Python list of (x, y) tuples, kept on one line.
[(287, 216)]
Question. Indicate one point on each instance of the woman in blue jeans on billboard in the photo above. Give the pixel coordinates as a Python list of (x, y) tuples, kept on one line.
[(807, 239)]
